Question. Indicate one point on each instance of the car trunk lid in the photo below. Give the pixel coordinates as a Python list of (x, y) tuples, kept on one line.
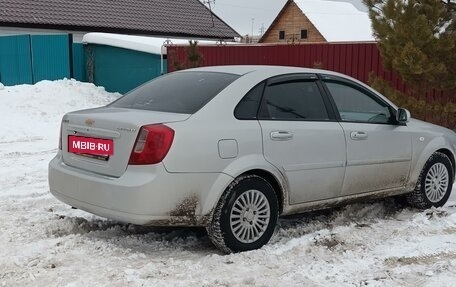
[(118, 127)]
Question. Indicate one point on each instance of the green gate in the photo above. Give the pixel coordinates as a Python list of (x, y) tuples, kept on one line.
[(15, 60), (27, 59)]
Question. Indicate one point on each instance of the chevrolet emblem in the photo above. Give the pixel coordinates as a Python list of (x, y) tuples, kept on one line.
[(89, 122)]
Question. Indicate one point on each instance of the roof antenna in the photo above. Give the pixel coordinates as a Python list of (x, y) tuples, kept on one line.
[(209, 3), (221, 41)]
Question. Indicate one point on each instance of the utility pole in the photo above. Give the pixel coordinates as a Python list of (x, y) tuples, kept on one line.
[(251, 35), (262, 29)]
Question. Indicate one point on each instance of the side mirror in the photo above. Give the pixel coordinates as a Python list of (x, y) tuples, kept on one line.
[(403, 116)]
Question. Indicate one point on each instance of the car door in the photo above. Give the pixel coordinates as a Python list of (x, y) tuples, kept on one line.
[(379, 150), (302, 138)]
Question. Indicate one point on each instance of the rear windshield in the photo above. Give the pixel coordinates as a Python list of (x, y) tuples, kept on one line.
[(183, 92)]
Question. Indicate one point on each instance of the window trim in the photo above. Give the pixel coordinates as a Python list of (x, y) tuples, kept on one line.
[(284, 36), (307, 34), (335, 79)]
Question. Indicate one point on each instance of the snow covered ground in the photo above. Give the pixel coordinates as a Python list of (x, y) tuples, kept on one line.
[(46, 243)]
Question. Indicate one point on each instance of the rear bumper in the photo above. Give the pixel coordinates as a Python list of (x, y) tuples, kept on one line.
[(143, 195)]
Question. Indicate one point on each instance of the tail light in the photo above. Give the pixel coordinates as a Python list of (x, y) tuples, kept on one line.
[(152, 144)]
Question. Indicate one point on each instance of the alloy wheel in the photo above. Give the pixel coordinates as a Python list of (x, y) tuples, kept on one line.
[(250, 216), (436, 182)]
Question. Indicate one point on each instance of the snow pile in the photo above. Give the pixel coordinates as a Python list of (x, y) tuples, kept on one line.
[(31, 116), (32, 113), (46, 243)]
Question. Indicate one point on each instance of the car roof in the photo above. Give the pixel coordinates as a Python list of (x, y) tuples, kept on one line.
[(245, 69), (279, 70)]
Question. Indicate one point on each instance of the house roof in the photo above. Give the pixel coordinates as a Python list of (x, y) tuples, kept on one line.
[(182, 18), (336, 21)]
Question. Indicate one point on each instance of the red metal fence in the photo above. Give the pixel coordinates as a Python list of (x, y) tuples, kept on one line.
[(354, 59)]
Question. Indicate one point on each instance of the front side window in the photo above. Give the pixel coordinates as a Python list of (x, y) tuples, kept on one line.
[(357, 106), (281, 35), (297, 100), (182, 92), (304, 34)]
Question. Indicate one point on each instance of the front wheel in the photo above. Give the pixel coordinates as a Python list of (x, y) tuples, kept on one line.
[(434, 184), (245, 216)]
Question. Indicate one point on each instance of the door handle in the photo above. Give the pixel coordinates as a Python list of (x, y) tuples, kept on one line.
[(281, 135), (358, 135)]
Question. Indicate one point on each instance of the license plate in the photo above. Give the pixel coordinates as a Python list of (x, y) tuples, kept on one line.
[(92, 146)]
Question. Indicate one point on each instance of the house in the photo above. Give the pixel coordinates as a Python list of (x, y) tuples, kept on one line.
[(314, 21), (42, 39), (169, 18)]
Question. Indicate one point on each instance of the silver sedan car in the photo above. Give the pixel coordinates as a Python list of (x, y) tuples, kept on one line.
[(232, 148)]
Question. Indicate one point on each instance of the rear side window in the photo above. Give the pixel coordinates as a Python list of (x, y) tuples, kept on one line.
[(183, 92), (247, 108), (297, 100)]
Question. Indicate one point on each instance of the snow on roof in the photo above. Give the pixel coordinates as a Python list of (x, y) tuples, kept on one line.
[(152, 45), (337, 21)]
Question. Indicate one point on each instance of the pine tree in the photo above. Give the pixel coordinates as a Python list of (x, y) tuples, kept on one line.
[(417, 39), (193, 57)]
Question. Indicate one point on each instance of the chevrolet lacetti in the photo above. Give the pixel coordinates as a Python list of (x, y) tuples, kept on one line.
[(232, 148)]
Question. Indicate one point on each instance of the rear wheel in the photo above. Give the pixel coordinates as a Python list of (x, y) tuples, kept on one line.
[(245, 216), (434, 184)]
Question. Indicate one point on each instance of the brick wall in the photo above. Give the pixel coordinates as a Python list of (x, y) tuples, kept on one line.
[(292, 21)]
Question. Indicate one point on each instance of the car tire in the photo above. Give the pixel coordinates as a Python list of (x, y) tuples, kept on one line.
[(434, 184), (245, 216)]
